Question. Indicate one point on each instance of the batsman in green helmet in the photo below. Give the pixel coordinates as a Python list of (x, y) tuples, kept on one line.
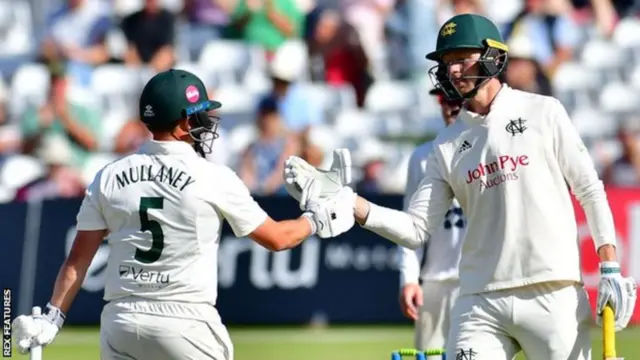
[(470, 53), (511, 159), (162, 210)]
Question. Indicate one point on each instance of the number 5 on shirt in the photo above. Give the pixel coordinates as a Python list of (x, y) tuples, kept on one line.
[(157, 236)]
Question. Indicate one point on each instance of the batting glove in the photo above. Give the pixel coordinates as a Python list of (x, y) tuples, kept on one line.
[(329, 217), (37, 330), (616, 291), (298, 172)]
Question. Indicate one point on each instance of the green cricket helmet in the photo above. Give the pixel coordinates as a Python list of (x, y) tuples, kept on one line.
[(468, 31), (173, 95)]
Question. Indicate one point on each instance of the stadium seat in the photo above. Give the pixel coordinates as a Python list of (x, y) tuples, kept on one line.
[(19, 170), (207, 77), (227, 59), (116, 87), (240, 137), (324, 96), (390, 96), (174, 6), (592, 123), (634, 80), (116, 43), (257, 81), (95, 163), (29, 86), (617, 98), (325, 137), (369, 148), (571, 86), (238, 105), (356, 122), (627, 36), (604, 57)]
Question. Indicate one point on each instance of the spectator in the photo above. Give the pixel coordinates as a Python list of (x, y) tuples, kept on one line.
[(285, 70), (62, 180), (335, 46), (206, 21), (262, 162), (130, 137), (268, 23), (310, 152), (150, 34), (554, 32), (9, 137), (78, 124), (602, 11), (76, 38), (523, 70), (625, 171), (368, 17), (370, 182)]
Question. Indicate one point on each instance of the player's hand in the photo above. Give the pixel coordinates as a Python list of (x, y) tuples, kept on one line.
[(618, 292), (411, 300), (298, 172), (329, 217), (37, 330)]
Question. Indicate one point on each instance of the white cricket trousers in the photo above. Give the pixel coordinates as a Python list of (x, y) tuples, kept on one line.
[(137, 329), (547, 321), (432, 326)]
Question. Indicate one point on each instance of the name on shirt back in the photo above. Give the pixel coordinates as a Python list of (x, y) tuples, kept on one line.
[(174, 177)]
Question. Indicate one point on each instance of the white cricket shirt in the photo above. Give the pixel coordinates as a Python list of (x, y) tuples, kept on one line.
[(164, 208), (437, 260), (511, 171)]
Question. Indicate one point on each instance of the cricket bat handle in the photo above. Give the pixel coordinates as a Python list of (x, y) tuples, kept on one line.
[(36, 352), (608, 334)]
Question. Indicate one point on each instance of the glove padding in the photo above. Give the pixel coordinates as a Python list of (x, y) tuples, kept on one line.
[(298, 172), (37, 330), (620, 293), (329, 217)]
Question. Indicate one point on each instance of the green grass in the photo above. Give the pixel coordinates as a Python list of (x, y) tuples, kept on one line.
[(273, 343)]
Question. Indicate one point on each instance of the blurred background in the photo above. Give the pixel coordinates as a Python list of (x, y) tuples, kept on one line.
[(294, 77)]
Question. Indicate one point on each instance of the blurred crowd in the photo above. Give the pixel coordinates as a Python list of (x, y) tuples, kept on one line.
[(295, 77)]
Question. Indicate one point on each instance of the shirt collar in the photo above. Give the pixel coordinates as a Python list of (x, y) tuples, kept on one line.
[(166, 147), (500, 103)]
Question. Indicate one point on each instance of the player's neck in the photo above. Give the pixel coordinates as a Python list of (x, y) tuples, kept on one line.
[(481, 103)]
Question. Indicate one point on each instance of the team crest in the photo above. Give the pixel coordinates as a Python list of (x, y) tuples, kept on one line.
[(448, 29)]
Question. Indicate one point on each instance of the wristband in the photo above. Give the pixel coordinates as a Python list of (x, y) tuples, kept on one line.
[(54, 315), (309, 216)]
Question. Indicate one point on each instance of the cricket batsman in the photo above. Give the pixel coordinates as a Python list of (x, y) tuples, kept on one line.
[(511, 160), (161, 211), (429, 276)]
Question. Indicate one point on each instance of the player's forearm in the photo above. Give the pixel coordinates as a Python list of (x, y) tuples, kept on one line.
[(607, 253), (393, 225), (291, 233), (68, 283)]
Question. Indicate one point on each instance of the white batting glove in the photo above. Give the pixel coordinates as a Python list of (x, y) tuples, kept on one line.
[(616, 291), (298, 172), (329, 217), (37, 330)]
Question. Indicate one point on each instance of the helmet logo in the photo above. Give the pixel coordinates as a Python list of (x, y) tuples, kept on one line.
[(448, 29), (148, 111), (192, 93)]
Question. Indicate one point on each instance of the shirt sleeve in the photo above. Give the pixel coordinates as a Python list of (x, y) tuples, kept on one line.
[(426, 211), (581, 175), (237, 206), (409, 264), (90, 214)]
